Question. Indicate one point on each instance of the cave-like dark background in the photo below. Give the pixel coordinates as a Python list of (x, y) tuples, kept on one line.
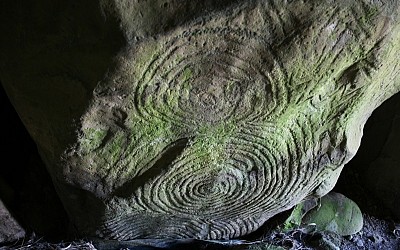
[(25, 186)]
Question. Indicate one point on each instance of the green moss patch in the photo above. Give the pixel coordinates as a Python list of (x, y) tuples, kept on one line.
[(337, 214), (91, 139)]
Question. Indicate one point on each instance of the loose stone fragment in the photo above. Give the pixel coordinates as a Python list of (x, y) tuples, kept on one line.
[(337, 214)]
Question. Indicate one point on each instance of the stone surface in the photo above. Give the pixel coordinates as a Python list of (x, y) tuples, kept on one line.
[(189, 119), (10, 230), (337, 214), (294, 221)]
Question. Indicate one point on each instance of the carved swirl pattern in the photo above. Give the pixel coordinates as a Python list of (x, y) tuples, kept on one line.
[(225, 177), (208, 76)]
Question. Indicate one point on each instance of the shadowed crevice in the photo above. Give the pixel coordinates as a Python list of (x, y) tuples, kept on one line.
[(158, 165)]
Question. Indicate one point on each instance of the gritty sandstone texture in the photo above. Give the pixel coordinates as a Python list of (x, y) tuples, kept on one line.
[(171, 119)]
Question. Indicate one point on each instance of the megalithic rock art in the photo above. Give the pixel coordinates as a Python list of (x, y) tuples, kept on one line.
[(208, 129)]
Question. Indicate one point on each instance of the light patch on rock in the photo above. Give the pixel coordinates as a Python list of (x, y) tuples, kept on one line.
[(10, 230)]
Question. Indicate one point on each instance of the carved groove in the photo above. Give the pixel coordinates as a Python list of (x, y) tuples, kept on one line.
[(265, 118), (157, 166)]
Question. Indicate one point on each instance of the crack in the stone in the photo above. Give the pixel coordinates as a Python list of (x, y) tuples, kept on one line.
[(158, 165)]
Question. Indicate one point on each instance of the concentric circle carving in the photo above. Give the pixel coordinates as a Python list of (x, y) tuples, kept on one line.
[(207, 77)]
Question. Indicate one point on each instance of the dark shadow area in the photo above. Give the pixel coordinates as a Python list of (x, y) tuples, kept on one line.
[(25, 185), (359, 180), (53, 55)]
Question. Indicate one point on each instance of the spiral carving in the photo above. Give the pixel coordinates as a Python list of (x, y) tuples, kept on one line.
[(196, 119), (208, 76), (218, 168)]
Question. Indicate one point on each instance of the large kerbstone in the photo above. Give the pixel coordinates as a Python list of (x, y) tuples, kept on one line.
[(190, 119)]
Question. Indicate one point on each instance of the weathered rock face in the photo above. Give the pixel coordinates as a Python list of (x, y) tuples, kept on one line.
[(205, 119)]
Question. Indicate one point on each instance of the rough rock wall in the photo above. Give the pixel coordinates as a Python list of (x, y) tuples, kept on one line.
[(190, 118)]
